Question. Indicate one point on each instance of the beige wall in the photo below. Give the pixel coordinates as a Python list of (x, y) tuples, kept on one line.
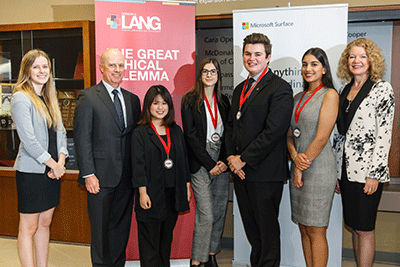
[(28, 11), (209, 7)]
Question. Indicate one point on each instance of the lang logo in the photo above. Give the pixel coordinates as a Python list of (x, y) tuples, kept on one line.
[(133, 22), (113, 21), (245, 25)]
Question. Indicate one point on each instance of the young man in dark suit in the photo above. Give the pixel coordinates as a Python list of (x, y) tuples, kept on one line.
[(256, 148), (105, 117)]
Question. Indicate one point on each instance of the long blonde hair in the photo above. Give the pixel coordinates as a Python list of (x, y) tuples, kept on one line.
[(24, 84)]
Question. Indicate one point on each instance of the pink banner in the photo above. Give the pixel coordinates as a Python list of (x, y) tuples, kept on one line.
[(158, 42)]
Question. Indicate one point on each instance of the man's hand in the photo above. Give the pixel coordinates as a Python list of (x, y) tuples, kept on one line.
[(236, 165), (92, 184)]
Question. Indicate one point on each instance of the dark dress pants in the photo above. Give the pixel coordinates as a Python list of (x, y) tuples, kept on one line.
[(155, 238), (259, 208), (110, 214)]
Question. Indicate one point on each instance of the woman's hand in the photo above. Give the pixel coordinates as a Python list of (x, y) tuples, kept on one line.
[(189, 192), (144, 198), (337, 188), (57, 171), (301, 161), (371, 185), (219, 168), (222, 166), (145, 202), (297, 178), (215, 170)]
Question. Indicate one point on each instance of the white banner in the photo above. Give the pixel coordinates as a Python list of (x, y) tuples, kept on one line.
[(292, 31), (217, 43)]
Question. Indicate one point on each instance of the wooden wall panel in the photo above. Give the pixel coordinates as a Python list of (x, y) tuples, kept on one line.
[(70, 221), (394, 156)]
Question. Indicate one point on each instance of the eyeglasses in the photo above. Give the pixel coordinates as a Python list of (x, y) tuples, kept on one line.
[(213, 72)]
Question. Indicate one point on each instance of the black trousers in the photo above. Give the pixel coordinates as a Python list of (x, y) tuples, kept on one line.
[(259, 208), (110, 214), (155, 238)]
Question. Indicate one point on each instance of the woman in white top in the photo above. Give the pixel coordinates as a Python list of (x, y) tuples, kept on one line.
[(362, 143)]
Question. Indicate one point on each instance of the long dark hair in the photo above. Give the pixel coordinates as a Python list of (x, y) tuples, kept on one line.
[(320, 54), (197, 90), (155, 90)]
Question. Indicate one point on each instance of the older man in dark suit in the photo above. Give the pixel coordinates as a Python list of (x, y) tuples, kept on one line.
[(256, 148), (105, 117)]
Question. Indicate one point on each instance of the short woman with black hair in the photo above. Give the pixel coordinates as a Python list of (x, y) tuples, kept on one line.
[(161, 176)]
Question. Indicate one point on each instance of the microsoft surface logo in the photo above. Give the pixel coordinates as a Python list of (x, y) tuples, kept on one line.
[(245, 25), (113, 21)]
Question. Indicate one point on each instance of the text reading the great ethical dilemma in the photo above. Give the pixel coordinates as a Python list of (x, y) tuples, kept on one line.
[(146, 65)]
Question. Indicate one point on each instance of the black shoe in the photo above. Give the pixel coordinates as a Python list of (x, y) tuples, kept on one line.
[(212, 261), (194, 265)]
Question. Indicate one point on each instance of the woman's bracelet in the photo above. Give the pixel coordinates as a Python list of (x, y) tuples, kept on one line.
[(295, 156)]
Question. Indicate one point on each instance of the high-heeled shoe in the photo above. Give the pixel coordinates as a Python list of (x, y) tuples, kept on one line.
[(194, 265), (212, 261)]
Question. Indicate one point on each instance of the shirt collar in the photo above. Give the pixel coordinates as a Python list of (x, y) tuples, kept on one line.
[(258, 75), (110, 88)]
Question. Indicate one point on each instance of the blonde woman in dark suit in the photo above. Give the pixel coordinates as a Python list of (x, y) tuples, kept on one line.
[(41, 156)]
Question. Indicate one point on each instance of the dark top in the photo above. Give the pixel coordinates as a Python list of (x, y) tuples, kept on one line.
[(259, 135), (148, 156), (345, 118), (195, 130), (169, 174)]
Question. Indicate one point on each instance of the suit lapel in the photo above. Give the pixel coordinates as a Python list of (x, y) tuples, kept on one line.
[(260, 86), (154, 138), (203, 118), (128, 107), (362, 94), (105, 97)]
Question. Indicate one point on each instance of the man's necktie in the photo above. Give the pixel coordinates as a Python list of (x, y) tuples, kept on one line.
[(249, 84), (118, 107)]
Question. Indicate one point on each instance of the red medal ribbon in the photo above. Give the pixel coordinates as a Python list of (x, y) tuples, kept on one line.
[(243, 97), (166, 147), (297, 111), (214, 119)]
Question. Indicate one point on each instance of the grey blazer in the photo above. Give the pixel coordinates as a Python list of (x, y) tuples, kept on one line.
[(33, 133)]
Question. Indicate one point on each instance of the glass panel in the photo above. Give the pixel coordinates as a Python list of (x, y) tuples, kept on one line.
[(5, 67), (64, 47), (10, 43)]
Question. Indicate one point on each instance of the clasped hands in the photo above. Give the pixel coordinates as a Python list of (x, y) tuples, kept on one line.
[(57, 171), (236, 165), (219, 168), (302, 163)]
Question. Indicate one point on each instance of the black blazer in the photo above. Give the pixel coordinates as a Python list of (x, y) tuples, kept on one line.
[(195, 130), (148, 155), (101, 146), (259, 136)]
